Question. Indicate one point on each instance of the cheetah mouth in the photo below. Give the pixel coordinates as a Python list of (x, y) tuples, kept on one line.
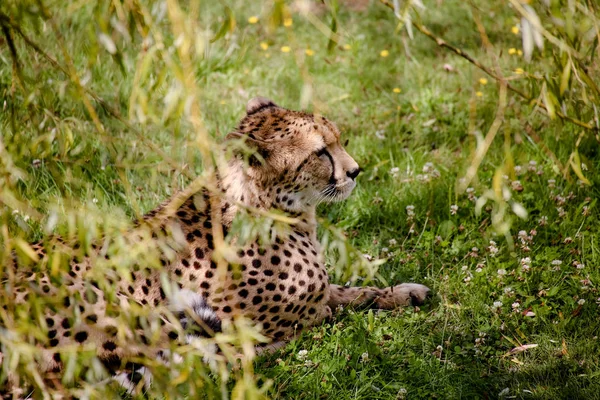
[(337, 192)]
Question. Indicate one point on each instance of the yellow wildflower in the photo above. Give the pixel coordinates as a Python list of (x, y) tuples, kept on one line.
[(384, 53), (515, 30), (396, 90), (309, 52), (519, 53), (479, 94), (264, 45), (512, 50), (347, 47), (287, 22), (223, 102), (519, 71), (286, 49), (253, 19), (483, 81)]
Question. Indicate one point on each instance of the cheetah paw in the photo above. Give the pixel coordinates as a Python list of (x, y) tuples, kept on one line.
[(405, 294)]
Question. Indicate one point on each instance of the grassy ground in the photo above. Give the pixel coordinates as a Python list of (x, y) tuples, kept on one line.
[(492, 294)]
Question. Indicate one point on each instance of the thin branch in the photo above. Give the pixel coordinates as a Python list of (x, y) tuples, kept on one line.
[(442, 43)]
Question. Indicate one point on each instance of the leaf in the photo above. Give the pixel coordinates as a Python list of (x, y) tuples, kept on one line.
[(575, 162), (519, 210), (535, 33), (26, 249), (334, 28), (527, 38), (565, 77), (228, 25), (107, 42), (546, 97), (522, 348)]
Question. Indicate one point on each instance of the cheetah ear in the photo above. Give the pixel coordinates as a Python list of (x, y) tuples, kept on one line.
[(258, 103)]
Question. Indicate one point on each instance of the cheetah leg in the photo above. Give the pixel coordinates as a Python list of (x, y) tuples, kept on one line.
[(391, 297)]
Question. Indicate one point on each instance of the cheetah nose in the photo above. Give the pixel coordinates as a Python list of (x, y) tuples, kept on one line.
[(354, 173)]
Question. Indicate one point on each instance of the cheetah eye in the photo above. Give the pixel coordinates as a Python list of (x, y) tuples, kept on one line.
[(321, 152)]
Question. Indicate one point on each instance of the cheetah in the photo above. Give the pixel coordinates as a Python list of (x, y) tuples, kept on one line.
[(297, 161)]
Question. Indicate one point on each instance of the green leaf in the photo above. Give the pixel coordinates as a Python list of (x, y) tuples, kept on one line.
[(576, 165), (564, 79), (547, 98), (228, 25), (552, 292)]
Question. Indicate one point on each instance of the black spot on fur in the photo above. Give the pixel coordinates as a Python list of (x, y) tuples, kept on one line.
[(81, 337)]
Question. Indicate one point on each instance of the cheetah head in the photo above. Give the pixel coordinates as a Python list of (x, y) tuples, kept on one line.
[(300, 155)]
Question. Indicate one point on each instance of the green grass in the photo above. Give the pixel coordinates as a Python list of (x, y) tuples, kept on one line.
[(458, 345)]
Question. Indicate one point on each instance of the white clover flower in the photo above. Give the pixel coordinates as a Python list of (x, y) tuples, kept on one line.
[(401, 394), (551, 183), (392, 242), (585, 211), (543, 221), (471, 194), (435, 174), (464, 268), (561, 212), (364, 357), (422, 178), (518, 170), (385, 250), (515, 306), (394, 171), (492, 248), (428, 167), (94, 200), (532, 166), (497, 304), (380, 134), (302, 354), (526, 264), (410, 211), (581, 302), (516, 186), (556, 262), (501, 272), (453, 209)]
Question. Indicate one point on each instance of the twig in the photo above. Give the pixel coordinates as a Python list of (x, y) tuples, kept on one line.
[(442, 43)]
